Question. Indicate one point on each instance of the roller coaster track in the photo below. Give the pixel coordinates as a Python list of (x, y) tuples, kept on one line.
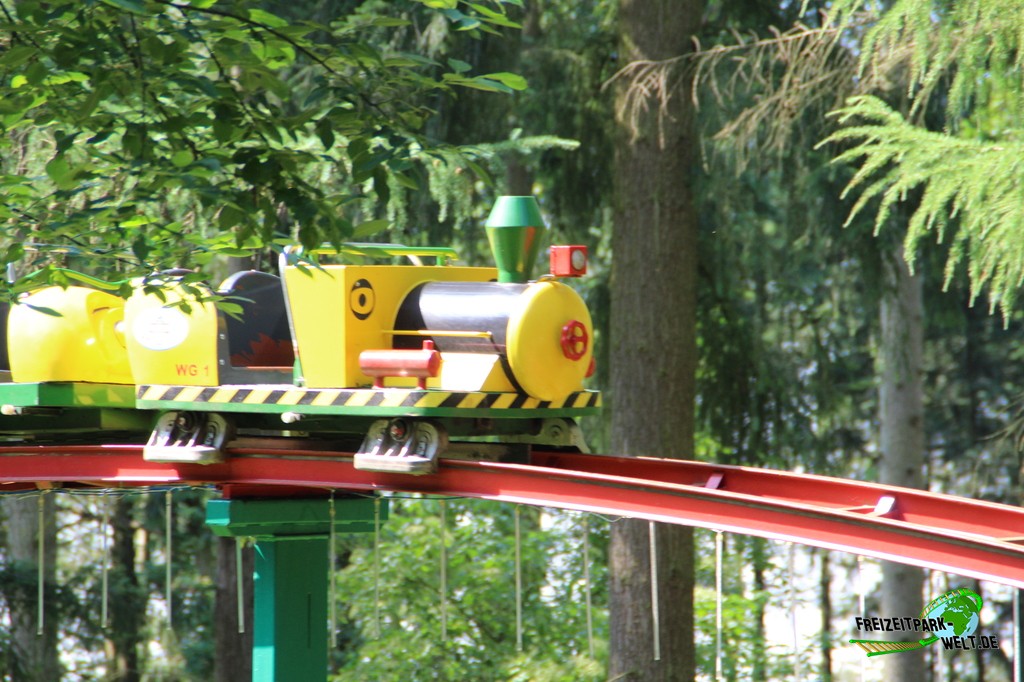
[(966, 537)]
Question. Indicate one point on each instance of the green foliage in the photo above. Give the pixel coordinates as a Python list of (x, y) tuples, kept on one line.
[(952, 48), (785, 376), (741, 607), (970, 192), (480, 601), (142, 132), (962, 183)]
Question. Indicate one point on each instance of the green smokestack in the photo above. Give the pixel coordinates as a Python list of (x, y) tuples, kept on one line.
[(513, 229)]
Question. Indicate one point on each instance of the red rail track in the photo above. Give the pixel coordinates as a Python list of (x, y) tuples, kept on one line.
[(967, 537)]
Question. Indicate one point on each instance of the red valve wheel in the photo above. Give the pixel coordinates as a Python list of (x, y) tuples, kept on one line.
[(574, 340)]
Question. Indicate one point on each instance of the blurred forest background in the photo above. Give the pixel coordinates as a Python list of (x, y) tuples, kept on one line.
[(754, 179)]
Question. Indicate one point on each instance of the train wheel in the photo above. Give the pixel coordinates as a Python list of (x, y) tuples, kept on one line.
[(405, 446), (196, 437)]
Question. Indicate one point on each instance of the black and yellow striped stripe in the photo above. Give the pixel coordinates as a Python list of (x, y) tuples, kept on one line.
[(279, 398)]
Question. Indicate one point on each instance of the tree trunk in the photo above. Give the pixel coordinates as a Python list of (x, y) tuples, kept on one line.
[(233, 658), (517, 175), (127, 596), (979, 653), (902, 437), (759, 666), (654, 353), (825, 604), (34, 654)]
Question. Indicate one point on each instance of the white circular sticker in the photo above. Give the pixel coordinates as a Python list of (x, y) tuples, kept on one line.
[(160, 328)]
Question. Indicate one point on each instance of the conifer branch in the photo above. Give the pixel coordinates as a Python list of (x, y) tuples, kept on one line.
[(972, 192)]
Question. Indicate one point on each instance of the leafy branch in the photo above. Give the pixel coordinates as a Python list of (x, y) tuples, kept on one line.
[(767, 85), (206, 122), (970, 188)]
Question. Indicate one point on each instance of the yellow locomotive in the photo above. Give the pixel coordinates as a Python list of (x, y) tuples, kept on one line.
[(406, 362)]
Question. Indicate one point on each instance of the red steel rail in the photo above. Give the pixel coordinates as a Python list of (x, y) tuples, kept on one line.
[(968, 537)]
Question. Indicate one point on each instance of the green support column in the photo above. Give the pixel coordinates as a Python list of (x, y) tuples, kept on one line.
[(290, 610), (291, 576)]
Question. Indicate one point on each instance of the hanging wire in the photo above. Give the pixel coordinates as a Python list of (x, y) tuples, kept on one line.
[(240, 585), (40, 563), (797, 671), (655, 614), (331, 596), (168, 491), (931, 657), (168, 513), (860, 602), (444, 575), (104, 608), (519, 583), (718, 606), (586, 585), (1016, 635), (116, 492), (376, 567), (106, 494)]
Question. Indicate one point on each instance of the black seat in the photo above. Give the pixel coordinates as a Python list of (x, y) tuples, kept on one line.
[(260, 336)]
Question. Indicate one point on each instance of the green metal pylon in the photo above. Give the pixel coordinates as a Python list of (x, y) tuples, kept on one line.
[(291, 576)]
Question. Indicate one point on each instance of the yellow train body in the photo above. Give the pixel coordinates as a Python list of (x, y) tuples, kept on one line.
[(169, 344), (334, 313), (68, 335)]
